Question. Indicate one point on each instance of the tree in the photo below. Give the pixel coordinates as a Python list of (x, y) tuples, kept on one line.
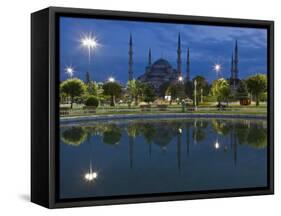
[(241, 132), (189, 89), (226, 93), (112, 135), (92, 101), (221, 127), (74, 136), (202, 87), (257, 136), (148, 131), (135, 89), (257, 85), (176, 90), (163, 88), (221, 89), (148, 93), (112, 89), (92, 88), (242, 91), (72, 88)]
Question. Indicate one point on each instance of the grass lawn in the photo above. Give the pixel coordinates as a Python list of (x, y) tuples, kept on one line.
[(208, 108)]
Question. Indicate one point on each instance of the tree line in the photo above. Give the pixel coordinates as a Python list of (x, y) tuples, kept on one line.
[(90, 93)]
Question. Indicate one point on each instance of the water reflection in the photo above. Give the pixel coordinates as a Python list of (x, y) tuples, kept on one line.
[(162, 133), (74, 135), (91, 175), (147, 147)]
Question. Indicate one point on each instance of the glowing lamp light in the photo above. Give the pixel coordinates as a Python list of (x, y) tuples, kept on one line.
[(217, 68), (90, 176), (217, 145), (180, 78), (69, 70), (111, 79), (90, 43), (180, 130)]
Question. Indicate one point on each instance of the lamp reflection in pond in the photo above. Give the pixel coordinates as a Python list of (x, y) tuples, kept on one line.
[(90, 175), (217, 145)]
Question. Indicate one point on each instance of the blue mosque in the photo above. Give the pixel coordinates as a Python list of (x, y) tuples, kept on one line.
[(161, 71)]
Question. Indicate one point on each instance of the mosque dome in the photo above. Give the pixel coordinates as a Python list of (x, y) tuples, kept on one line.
[(161, 62)]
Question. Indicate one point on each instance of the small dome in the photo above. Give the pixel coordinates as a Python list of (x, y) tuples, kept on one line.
[(162, 62)]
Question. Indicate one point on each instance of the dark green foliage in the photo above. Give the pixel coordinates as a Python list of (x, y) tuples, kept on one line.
[(135, 89), (221, 127), (72, 88), (257, 136), (189, 89), (92, 101), (92, 88), (176, 90), (87, 78), (242, 90), (202, 87), (221, 90), (74, 136), (112, 135), (257, 85), (163, 89), (148, 93), (112, 89)]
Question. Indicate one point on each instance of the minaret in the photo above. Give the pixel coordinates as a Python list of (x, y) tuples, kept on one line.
[(179, 55), (130, 70), (235, 68), (88, 78), (187, 66), (149, 57)]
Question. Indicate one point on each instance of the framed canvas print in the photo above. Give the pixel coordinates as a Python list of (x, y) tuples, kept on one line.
[(138, 107)]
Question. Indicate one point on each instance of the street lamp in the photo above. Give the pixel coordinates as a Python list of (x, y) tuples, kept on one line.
[(111, 79), (90, 43), (69, 71), (180, 78), (217, 68), (195, 99)]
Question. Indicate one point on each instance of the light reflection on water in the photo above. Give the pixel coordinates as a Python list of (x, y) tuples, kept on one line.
[(168, 155)]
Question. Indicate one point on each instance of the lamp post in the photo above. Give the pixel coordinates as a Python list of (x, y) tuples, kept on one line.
[(201, 94), (90, 43), (195, 99)]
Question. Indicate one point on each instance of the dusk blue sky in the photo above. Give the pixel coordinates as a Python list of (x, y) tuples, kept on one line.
[(208, 45)]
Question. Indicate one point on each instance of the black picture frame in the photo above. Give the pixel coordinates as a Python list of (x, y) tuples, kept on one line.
[(45, 113)]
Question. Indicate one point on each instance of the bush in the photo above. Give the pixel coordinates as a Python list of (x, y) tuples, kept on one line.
[(92, 101)]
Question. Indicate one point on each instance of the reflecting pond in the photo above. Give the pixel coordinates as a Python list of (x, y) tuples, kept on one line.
[(162, 155)]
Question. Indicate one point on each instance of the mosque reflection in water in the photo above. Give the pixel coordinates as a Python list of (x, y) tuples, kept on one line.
[(167, 155)]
